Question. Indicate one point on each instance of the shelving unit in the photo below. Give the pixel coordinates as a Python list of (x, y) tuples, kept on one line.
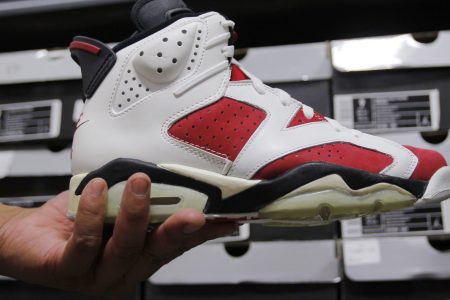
[(33, 24)]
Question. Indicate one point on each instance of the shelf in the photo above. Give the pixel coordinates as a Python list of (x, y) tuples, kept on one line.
[(51, 23)]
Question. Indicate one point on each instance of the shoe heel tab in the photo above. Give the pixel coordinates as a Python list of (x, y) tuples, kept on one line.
[(95, 60)]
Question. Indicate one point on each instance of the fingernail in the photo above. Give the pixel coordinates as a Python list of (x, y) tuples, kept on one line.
[(191, 228), (140, 187), (96, 187)]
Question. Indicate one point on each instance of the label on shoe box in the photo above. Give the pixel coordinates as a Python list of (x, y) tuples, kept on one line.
[(429, 219), (30, 120), (389, 112), (360, 252)]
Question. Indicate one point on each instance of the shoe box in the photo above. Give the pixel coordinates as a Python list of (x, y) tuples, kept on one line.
[(33, 174), (397, 87), (292, 268), (393, 84), (304, 71), (402, 245), (39, 105), (256, 262), (40, 101), (294, 261)]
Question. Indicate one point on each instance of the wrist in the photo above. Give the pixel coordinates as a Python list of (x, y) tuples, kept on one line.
[(7, 214)]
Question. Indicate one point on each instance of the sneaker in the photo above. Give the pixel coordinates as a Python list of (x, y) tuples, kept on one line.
[(171, 102)]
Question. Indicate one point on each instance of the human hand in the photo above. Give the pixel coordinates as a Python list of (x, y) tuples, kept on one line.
[(43, 246)]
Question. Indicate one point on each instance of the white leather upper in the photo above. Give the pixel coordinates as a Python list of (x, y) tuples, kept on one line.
[(176, 71), (274, 139)]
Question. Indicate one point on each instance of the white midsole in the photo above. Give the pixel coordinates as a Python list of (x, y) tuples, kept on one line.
[(301, 204), (334, 192)]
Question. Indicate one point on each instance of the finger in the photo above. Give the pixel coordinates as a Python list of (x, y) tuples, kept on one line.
[(181, 232), (167, 241), (83, 247), (174, 232), (60, 202), (130, 230)]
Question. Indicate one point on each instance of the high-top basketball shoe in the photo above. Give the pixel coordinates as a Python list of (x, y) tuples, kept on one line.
[(171, 102)]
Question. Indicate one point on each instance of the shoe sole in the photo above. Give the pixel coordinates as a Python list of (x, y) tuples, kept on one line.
[(313, 194)]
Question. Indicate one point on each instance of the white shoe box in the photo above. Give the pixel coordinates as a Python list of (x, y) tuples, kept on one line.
[(34, 163), (264, 262), (394, 258), (304, 71), (30, 177), (398, 255), (368, 69)]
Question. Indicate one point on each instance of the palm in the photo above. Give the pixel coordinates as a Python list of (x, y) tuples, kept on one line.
[(43, 235)]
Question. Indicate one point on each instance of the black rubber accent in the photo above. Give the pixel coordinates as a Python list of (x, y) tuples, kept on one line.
[(267, 191), (147, 14), (94, 68), (142, 35), (121, 169), (151, 16), (256, 197)]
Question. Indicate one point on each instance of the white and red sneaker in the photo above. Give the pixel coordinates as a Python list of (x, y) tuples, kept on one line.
[(172, 103)]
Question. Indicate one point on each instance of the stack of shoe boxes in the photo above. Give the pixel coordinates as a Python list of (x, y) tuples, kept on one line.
[(39, 106), (397, 87), (39, 101), (38, 96)]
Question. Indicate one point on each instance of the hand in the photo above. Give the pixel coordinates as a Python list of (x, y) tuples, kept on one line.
[(43, 246)]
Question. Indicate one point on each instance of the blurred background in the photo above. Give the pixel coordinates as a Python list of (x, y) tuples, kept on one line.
[(379, 66)]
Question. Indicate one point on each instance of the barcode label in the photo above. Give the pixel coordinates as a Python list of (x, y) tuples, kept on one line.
[(428, 219), (388, 112), (30, 120)]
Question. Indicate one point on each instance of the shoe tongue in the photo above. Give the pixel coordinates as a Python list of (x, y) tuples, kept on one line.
[(148, 14)]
